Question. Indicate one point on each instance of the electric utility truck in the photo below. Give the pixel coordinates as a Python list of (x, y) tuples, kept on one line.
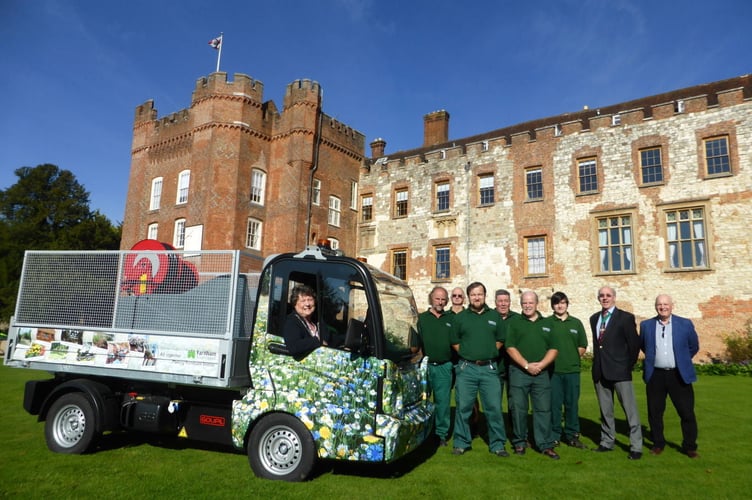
[(190, 344)]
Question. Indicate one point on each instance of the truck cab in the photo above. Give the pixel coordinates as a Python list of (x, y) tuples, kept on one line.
[(364, 396)]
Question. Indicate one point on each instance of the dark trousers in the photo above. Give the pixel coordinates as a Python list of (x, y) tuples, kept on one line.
[(669, 383), (565, 392)]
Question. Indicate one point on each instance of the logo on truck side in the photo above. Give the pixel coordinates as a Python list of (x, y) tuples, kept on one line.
[(214, 420)]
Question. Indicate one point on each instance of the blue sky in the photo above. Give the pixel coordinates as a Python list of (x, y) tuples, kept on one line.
[(73, 71)]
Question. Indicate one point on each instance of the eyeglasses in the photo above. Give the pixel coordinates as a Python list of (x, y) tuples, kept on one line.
[(457, 296)]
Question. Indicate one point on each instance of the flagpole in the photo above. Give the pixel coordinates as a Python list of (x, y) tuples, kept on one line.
[(219, 53)]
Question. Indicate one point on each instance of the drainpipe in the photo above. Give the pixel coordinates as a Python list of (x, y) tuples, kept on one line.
[(314, 167)]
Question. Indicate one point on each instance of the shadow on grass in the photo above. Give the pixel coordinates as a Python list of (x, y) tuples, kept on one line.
[(131, 439), (395, 469), (398, 468)]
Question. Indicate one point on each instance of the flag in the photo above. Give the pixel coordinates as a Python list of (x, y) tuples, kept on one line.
[(216, 43)]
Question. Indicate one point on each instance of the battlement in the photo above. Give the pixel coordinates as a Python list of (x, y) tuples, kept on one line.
[(337, 132), (177, 118), (145, 113), (217, 84), (695, 99), (304, 90)]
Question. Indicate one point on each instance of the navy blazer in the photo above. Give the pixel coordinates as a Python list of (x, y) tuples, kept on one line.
[(614, 359), (685, 343), (298, 340)]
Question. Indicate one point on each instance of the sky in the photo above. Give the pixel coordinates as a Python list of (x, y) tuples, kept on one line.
[(74, 71)]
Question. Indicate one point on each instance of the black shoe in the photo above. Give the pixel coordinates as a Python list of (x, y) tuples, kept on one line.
[(519, 450), (460, 451), (602, 449), (634, 455), (501, 453), (576, 443), (550, 453), (556, 443), (442, 442)]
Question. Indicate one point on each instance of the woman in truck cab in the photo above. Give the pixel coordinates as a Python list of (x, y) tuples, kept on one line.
[(302, 332)]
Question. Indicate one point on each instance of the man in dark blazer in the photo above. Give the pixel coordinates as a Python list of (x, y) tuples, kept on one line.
[(669, 343), (615, 350)]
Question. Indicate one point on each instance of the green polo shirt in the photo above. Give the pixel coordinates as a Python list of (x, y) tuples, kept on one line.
[(477, 333), (434, 335), (569, 335), (532, 338), (504, 360)]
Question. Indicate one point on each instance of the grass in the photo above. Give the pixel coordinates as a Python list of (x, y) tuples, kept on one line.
[(138, 466)]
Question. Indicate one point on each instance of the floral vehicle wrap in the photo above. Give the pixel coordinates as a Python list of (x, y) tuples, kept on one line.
[(337, 396)]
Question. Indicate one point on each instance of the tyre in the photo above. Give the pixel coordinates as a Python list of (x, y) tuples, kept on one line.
[(280, 447), (71, 424)]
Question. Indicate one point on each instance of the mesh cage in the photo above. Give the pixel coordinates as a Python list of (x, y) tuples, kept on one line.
[(68, 289), (136, 291)]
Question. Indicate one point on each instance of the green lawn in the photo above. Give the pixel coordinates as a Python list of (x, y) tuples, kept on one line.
[(137, 466)]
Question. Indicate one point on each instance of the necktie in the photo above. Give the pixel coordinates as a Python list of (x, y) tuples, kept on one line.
[(604, 318)]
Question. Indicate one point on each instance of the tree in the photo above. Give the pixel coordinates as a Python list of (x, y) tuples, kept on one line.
[(46, 209)]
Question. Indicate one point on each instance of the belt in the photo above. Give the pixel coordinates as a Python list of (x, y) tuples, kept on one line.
[(665, 369), (437, 363), (482, 362)]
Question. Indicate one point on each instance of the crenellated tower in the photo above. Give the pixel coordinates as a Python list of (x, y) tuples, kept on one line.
[(249, 170)]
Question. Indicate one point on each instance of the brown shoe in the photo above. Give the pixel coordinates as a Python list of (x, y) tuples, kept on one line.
[(550, 453), (656, 451), (692, 454)]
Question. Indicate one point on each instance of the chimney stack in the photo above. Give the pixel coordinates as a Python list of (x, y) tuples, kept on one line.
[(377, 147), (435, 128)]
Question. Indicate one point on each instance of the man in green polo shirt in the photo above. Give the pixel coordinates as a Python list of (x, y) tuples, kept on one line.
[(532, 352), (434, 328), (571, 340), (477, 335), (503, 307)]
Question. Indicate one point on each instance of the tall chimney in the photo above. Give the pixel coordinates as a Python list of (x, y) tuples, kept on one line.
[(435, 128), (377, 147)]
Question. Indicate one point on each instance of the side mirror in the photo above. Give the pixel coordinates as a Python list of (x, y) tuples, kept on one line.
[(356, 329)]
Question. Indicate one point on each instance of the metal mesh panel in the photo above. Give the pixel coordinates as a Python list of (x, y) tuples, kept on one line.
[(174, 293), (68, 289), (137, 291)]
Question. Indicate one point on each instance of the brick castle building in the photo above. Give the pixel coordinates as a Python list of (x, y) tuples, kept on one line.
[(648, 196), (233, 172)]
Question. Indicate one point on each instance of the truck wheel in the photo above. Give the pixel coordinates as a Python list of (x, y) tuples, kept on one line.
[(71, 426), (280, 447)]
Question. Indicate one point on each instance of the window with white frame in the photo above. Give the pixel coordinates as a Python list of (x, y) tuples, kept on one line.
[(316, 192), (353, 195), (258, 186), (442, 196), (156, 193), (486, 189), (651, 165), (184, 180), (442, 268), (366, 208), (178, 236), (399, 264), (588, 176), (686, 238), (400, 205), (253, 234), (717, 156), (534, 183), (535, 248), (152, 231), (615, 247), (335, 207)]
